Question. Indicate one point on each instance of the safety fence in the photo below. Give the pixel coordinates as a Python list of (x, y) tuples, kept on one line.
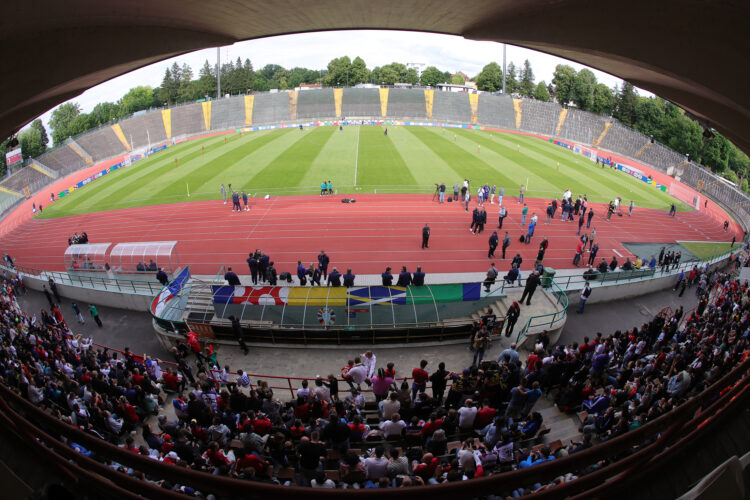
[(104, 283)]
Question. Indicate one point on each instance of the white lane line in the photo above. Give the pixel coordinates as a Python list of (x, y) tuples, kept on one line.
[(618, 253)]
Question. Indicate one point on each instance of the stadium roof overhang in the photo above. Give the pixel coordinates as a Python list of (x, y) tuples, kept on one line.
[(694, 53)]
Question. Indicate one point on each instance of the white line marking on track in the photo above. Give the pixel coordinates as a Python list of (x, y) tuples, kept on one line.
[(618, 253)]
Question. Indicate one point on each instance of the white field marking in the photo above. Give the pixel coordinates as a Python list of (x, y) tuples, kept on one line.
[(618, 253)]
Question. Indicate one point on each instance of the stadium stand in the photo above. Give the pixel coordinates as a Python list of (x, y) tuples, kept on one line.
[(539, 117), (496, 111), (704, 181), (144, 130), (451, 107), (227, 113), (316, 104), (582, 127), (623, 140), (187, 120), (406, 103), (271, 108), (660, 157), (101, 144), (26, 178), (62, 159), (472, 423), (360, 103)]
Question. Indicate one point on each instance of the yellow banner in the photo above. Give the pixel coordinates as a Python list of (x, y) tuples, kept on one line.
[(206, 114), (383, 102), (249, 109), (337, 96), (166, 117), (429, 97)]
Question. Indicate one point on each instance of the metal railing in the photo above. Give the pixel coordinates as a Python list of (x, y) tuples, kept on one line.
[(139, 287), (549, 319)]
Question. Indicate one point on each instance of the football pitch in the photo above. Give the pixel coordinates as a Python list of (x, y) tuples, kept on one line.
[(357, 159)]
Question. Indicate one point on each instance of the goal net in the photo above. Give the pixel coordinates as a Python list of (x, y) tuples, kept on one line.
[(587, 152), (685, 195)]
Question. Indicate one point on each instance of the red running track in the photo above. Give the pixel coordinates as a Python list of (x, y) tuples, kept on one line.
[(374, 232)]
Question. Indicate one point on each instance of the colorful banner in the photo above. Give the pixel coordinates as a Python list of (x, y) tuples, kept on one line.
[(13, 156), (170, 291), (350, 297)]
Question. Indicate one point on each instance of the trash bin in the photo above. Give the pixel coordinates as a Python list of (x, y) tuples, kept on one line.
[(547, 274)]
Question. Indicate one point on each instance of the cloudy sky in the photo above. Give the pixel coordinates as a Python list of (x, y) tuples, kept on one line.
[(314, 50)]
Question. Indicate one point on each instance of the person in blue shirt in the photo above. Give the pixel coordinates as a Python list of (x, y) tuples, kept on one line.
[(244, 200), (334, 278), (301, 273), (348, 278), (404, 277), (252, 263), (536, 458), (330, 187), (387, 277), (652, 262), (323, 188), (418, 278)]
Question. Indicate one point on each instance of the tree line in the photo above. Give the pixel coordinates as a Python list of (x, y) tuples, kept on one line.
[(652, 116)]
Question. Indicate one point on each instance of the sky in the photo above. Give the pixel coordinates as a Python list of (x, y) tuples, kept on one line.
[(315, 50)]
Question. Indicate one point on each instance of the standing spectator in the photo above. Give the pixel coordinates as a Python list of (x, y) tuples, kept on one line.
[(500, 195), (323, 261), (78, 314), (506, 243), (466, 415), (252, 264), (489, 280), (236, 202), (369, 360), (271, 275), (442, 193), (161, 276), (301, 273), (420, 377), (438, 382), (224, 194), (493, 245), (579, 254), (589, 217), (426, 236), (381, 385), (55, 292), (532, 282), (630, 209), (585, 293), (387, 277), (481, 343), (244, 200), (231, 277), (502, 214), (95, 315), (238, 333), (514, 311), (455, 192), (523, 213), (521, 193)]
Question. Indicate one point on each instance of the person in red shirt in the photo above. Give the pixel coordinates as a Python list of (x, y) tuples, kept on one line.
[(425, 469), (390, 371), (171, 380), (250, 460), (420, 377), (485, 416), (192, 341), (261, 424), (215, 456), (433, 424)]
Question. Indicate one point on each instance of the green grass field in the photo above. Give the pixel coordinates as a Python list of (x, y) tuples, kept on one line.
[(706, 249), (357, 160)]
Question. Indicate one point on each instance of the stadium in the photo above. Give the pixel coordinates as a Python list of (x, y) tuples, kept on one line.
[(154, 191)]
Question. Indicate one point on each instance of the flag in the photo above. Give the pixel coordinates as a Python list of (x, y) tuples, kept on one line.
[(170, 291)]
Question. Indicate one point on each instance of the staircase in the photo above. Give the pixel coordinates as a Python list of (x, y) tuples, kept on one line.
[(77, 149), (561, 120), (43, 170), (599, 140), (642, 150)]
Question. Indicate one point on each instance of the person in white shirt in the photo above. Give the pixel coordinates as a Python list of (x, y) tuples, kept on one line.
[(393, 427), (467, 415), (358, 373), (375, 466), (389, 406), (303, 392), (321, 392), (242, 379), (368, 359)]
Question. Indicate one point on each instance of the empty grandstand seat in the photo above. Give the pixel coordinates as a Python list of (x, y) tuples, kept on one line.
[(316, 104)]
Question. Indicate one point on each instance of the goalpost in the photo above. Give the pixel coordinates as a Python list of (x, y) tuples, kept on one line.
[(685, 195), (587, 152)]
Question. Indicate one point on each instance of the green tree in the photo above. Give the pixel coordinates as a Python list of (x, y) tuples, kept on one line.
[(247, 76), (490, 79), (650, 117), (105, 112), (206, 85), (338, 72), (412, 77), (79, 125), (681, 133), (137, 99), (431, 76), (3, 149), (526, 85), (37, 124), (61, 119), (604, 100), (186, 90), (563, 79), (583, 89), (386, 75), (458, 79), (31, 142), (739, 162), (625, 104), (511, 83), (541, 93), (715, 155), (170, 84), (358, 72)]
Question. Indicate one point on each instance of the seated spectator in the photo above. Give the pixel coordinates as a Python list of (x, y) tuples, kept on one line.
[(352, 470), (376, 465), (393, 428)]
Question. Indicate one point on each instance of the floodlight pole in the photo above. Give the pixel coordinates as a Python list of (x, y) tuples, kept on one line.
[(503, 69), (218, 72)]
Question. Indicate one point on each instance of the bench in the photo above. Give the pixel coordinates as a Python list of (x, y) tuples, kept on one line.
[(596, 276)]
